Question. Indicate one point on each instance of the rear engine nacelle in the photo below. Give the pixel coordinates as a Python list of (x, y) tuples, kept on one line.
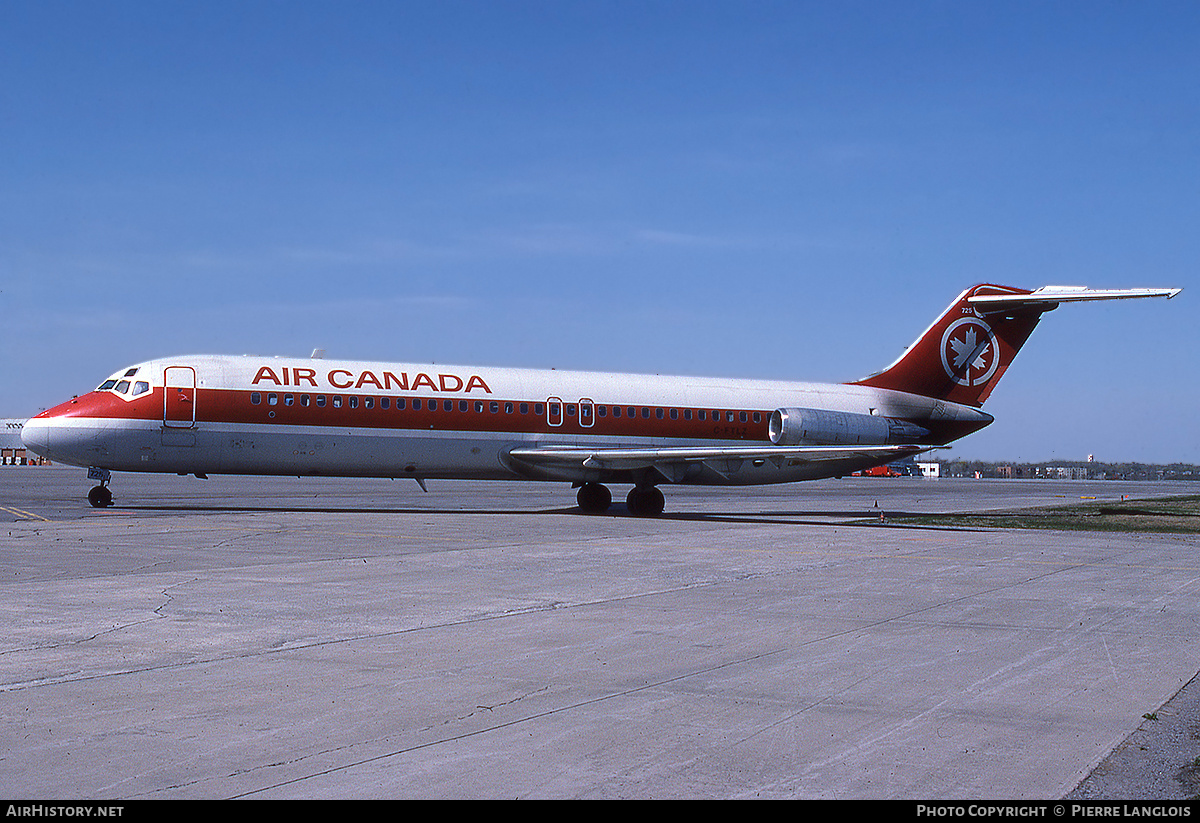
[(817, 427)]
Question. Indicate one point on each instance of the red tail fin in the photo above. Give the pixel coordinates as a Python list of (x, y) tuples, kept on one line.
[(962, 356)]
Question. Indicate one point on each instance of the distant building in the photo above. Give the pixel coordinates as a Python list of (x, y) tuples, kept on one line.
[(930, 469)]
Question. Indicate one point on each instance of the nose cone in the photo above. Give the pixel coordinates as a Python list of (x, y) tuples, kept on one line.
[(35, 434)]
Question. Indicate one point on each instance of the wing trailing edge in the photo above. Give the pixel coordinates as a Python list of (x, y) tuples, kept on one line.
[(674, 463)]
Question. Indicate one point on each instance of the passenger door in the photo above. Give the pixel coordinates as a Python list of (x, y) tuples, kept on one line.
[(179, 397)]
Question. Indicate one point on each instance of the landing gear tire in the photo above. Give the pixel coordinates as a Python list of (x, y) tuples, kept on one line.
[(594, 498), (645, 501), (100, 497)]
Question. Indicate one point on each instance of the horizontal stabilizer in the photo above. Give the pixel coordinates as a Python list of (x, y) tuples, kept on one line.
[(1052, 295)]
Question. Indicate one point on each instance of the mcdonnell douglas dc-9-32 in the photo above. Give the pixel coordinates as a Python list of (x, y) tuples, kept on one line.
[(215, 414)]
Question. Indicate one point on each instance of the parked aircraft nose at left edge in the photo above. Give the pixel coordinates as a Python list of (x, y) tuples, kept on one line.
[(35, 434)]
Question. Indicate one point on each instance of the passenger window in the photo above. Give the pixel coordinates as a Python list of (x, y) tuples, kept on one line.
[(272, 399), (353, 402), (524, 408), (289, 400), (305, 400), (616, 411), (337, 401), (448, 405), (464, 406), (385, 402), (368, 402), (255, 398), (321, 400), (742, 417), (416, 404), (508, 408), (658, 413)]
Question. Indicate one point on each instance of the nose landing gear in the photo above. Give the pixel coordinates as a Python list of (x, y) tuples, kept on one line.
[(100, 496)]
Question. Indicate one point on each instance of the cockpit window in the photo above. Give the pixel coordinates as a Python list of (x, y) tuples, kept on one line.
[(122, 384)]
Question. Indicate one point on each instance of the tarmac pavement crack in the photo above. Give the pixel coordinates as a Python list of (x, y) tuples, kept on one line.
[(509, 723), (516, 721)]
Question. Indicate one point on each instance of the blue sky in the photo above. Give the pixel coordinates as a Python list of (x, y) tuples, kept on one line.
[(787, 190)]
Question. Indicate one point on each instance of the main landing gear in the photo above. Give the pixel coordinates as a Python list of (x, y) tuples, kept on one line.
[(642, 501), (594, 498)]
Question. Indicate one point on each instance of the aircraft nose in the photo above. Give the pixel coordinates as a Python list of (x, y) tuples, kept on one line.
[(35, 434)]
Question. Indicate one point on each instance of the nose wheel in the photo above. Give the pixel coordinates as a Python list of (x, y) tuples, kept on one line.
[(100, 496)]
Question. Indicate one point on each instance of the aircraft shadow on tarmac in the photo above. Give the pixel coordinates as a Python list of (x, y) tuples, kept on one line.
[(873, 518)]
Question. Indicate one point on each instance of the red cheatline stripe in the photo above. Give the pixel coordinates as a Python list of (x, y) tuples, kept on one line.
[(229, 406)]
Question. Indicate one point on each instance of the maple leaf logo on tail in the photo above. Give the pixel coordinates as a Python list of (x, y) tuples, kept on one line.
[(961, 357), (970, 352), (963, 349)]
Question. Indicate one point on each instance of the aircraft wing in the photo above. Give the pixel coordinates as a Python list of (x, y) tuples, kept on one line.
[(1050, 296), (673, 462)]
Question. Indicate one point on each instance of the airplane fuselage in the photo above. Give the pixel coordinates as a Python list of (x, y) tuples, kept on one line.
[(250, 415)]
